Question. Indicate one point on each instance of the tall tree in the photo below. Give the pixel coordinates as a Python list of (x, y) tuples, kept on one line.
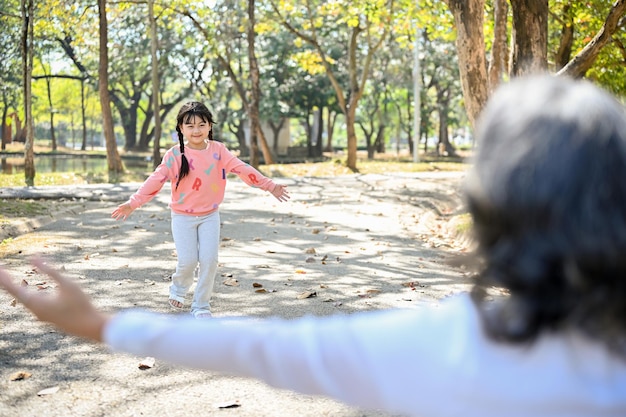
[(363, 26), (114, 161), (28, 22), (227, 57), (11, 82), (498, 65), (470, 46), (156, 85), (255, 89), (530, 31)]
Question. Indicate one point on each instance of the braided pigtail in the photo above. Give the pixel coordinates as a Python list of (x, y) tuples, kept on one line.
[(184, 164)]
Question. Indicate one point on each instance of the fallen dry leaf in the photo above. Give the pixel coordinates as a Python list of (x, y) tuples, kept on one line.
[(300, 271), (147, 363), (19, 376), (231, 282), (261, 291), (307, 294), (257, 285), (44, 286), (228, 404), (310, 251), (48, 391)]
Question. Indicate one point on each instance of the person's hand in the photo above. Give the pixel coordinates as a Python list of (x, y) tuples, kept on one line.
[(70, 309), (122, 211), (280, 192)]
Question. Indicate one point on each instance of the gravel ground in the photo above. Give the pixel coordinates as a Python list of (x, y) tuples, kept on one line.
[(353, 243)]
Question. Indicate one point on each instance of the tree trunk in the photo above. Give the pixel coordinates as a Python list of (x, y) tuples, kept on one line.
[(49, 93), (114, 161), (350, 124), (566, 41), (156, 104), (128, 116), (498, 64), (28, 9), (253, 109), (316, 134), (276, 128), (530, 24), (6, 131), (470, 45), (330, 128), (240, 134), (379, 143), (82, 110), (445, 148)]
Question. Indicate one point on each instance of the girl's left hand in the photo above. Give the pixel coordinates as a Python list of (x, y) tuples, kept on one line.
[(280, 192)]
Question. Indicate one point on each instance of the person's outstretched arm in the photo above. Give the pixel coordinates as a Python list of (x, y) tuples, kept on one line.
[(376, 359), (70, 309)]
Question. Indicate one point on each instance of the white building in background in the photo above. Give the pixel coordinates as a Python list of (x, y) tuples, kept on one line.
[(284, 137)]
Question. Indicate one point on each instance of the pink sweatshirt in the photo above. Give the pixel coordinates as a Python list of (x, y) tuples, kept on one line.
[(202, 190)]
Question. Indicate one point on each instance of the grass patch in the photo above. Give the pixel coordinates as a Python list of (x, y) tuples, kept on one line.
[(335, 167), (22, 208), (463, 223), (69, 178), (10, 208)]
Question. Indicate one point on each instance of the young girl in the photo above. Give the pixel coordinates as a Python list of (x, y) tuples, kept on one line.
[(197, 168)]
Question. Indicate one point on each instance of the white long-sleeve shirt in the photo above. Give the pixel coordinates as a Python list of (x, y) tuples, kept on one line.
[(424, 362)]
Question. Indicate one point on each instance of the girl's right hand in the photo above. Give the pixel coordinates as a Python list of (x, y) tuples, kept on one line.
[(122, 211)]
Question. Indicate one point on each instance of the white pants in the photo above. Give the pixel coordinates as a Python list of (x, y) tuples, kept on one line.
[(197, 241)]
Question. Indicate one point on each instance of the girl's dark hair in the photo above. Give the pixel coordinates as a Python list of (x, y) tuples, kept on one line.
[(186, 114), (547, 195)]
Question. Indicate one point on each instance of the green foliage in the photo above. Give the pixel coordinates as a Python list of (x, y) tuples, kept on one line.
[(586, 19), (198, 39)]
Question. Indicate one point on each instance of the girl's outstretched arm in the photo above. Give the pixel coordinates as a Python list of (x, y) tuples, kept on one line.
[(70, 309)]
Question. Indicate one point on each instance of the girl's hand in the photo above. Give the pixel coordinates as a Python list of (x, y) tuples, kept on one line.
[(122, 211), (70, 309), (280, 192)]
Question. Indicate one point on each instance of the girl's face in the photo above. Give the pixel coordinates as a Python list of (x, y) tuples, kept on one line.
[(196, 131)]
